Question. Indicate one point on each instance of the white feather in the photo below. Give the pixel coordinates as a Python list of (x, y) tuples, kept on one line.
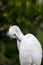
[(30, 50)]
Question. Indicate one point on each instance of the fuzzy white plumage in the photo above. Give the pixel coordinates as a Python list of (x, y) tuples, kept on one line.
[(30, 51)]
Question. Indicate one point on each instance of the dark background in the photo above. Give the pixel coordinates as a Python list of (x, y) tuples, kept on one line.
[(28, 15)]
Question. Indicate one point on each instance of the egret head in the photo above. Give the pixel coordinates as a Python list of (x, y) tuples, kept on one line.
[(12, 31), (15, 32)]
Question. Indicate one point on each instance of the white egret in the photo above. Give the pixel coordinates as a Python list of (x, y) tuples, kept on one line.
[(30, 50)]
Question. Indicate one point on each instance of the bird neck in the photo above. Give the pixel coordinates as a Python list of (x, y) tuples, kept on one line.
[(19, 39), (19, 35)]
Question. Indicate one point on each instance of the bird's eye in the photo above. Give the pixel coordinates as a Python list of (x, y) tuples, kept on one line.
[(14, 34)]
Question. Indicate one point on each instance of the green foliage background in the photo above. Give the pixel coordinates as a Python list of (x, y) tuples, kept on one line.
[(28, 15)]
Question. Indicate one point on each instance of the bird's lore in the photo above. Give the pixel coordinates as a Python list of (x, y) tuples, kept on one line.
[(30, 50)]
